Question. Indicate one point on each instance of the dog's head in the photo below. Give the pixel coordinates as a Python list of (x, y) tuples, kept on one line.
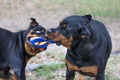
[(70, 30), (34, 30)]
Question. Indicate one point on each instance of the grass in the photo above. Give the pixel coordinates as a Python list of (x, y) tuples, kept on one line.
[(98, 8), (48, 71), (103, 8), (111, 77)]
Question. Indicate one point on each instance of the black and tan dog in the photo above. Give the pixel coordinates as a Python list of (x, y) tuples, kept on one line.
[(15, 51), (88, 46)]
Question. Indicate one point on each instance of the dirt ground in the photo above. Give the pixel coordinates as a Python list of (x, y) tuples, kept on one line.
[(15, 14)]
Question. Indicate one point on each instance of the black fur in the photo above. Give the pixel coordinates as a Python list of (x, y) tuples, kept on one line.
[(12, 51), (91, 44)]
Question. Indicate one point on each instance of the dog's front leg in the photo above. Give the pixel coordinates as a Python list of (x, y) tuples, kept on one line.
[(71, 69), (17, 64), (100, 76), (70, 75), (20, 74)]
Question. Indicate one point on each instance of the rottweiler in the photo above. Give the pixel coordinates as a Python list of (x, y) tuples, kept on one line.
[(15, 50), (88, 45)]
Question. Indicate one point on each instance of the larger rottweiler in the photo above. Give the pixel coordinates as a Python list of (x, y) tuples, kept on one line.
[(88, 45), (15, 50)]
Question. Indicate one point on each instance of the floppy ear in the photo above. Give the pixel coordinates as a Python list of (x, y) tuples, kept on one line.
[(84, 33), (63, 24), (87, 18), (33, 22)]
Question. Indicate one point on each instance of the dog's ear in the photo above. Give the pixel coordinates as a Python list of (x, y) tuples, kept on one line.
[(33, 22), (87, 18), (63, 24), (84, 33)]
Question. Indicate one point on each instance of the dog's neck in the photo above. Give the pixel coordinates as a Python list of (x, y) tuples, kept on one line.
[(82, 47), (23, 40), (76, 43)]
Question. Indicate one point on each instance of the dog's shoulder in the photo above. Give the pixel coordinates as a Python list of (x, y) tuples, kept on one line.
[(5, 32)]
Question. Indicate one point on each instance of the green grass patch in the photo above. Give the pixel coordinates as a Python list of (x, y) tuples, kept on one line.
[(110, 73), (47, 71), (103, 8), (98, 8), (111, 77)]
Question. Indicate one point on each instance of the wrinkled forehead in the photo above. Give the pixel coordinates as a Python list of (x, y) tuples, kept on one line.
[(74, 19), (73, 23)]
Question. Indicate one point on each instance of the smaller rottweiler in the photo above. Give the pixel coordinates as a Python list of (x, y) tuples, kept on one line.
[(88, 45), (15, 50)]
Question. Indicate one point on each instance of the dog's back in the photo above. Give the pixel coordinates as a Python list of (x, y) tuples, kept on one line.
[(100, 32), (5, 37)]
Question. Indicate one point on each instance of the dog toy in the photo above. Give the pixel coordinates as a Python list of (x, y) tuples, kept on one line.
[(40, 43)]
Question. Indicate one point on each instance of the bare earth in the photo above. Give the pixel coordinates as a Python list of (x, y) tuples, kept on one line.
[(14, 16)]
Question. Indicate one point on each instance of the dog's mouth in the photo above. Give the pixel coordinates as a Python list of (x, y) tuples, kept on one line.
[(60, 39), (54, 37), (34, 49), (31, 49), (36, 43)]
